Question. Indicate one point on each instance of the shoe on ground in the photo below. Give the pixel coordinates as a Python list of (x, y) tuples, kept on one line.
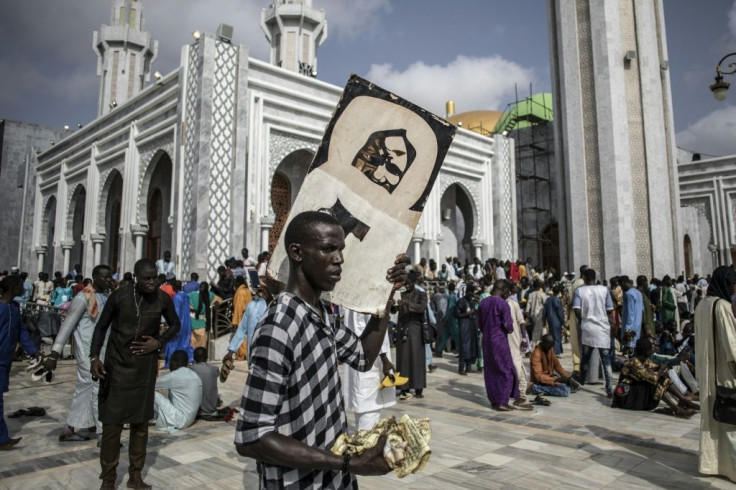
[(135, 480), (522, 405), (107, 485), (406, 396), (542, 401), (462, 373), (502, 408), (432, 368), (418, 395), (7, 445)]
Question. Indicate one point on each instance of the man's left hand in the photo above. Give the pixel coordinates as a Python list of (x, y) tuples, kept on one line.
[(145, 346), (388, 368), (397, 273)]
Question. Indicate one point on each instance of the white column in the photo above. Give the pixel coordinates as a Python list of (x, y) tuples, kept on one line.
[(138, 232), (436, 251), (478, 248), (265, 232), (417, 244), (41, 256), (97, 241), (66, 247)]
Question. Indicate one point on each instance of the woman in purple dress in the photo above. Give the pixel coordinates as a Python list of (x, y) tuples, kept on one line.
[(494, 320)]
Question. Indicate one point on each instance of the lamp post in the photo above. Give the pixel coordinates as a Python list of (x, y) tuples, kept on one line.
[(720, 88)]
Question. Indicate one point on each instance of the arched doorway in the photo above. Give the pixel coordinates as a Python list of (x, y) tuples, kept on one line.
[(158, 197), (155, 224), (111, 245), (281, 203), (549, 244), (456, 209), (77, 209), (687, 248), (285, 186), (48, 226)]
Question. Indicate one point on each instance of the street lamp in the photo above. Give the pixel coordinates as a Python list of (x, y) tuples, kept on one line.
[(720, 88)]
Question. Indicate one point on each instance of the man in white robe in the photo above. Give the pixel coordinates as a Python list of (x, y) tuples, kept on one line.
[(714, 364), (80, 321), (179, 409), (517, 343), (361, 391)]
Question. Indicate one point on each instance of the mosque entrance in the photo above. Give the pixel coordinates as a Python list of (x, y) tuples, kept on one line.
[(79, 200), (285, 186), (457, 223), (48, 226), (159, 196), (549, 244), (281, 202), (687, 247), (111, 245)]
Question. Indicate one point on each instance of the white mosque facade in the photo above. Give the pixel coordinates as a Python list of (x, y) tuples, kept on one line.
[(207, 159)]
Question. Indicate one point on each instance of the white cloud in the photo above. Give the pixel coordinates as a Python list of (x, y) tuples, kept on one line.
[(715, 134), (352, 19), (473, 83)]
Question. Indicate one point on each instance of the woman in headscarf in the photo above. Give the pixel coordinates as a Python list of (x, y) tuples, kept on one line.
[(715, 354), (643, 383)]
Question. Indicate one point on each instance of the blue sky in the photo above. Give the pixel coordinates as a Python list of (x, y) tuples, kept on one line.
[(473, 51)]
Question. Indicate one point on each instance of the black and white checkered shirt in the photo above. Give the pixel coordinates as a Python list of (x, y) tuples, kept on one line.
[(293, 387)]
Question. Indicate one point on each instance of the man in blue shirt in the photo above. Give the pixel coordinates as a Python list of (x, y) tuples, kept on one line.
[(633, 309), (192, 285), (253, 314), (12, 331)]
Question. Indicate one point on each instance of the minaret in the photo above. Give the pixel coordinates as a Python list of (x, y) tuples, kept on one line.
[(295, 30), (124, 55)]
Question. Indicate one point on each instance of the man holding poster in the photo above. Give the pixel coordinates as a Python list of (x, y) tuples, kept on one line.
[(373, 171), (358, 206)]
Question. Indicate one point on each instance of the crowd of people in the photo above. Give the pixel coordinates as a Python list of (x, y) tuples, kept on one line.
[(508, 320)]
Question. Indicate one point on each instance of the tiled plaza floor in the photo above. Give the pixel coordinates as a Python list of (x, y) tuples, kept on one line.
[(578, 442)]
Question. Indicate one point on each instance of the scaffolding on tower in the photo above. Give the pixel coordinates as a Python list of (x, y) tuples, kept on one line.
[(527, 121)]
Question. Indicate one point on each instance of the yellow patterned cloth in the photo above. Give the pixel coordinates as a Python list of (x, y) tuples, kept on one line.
[(407, 447)]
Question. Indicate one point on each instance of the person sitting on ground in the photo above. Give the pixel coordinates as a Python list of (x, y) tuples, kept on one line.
[(208, 374), (548, 376), (179, 409), (667, 338), (644, 383)]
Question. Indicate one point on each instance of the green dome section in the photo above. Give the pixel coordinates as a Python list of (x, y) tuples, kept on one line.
[(526, 112)]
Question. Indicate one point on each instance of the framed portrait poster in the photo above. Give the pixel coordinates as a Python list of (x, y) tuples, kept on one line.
[(373, 171)]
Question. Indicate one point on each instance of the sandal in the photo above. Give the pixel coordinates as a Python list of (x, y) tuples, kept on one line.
[(540, 400), (73, 437), (502, 408), (684, 413)]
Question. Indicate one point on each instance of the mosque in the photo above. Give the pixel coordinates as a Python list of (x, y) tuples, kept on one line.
[(208, 159)]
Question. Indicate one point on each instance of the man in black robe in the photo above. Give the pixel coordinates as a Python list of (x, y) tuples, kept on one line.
[(128, 375), (410, 351)]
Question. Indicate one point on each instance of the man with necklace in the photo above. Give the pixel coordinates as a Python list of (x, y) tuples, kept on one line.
[(128, 374)]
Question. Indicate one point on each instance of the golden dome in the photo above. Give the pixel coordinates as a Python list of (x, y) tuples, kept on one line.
[(482, 122)]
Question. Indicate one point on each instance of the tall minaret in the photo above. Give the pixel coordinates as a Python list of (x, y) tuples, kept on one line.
[(124, 55), (615, 141), (295, 30)]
